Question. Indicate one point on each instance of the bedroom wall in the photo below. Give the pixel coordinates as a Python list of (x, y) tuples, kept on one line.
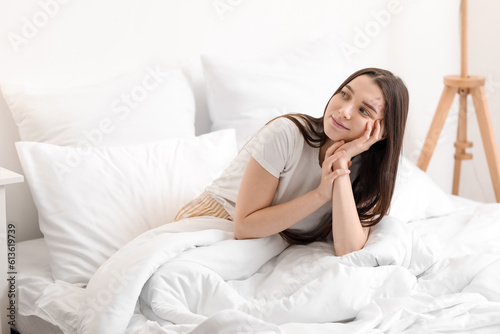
[(484, 60), (85, 41)]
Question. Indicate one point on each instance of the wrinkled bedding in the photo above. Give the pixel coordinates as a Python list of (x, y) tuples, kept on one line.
[(184, 278), (437, 275)]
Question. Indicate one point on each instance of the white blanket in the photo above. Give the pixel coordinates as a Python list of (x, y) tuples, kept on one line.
[(192, 276)]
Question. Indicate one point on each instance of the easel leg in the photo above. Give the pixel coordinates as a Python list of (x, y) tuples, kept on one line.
[(461, 144), (490, 147), (437, 124)]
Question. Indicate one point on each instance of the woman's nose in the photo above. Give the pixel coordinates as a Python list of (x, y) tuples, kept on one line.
[(345, 111)]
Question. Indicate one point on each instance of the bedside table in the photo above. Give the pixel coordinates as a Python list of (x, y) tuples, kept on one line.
[(8, 289)]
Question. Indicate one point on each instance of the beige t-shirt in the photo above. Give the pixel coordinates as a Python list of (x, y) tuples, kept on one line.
[(280, 149)]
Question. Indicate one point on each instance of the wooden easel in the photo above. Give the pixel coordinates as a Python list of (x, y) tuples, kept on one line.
[(463, 85)]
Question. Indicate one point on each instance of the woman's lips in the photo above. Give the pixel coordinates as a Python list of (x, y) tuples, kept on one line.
[(339, 124)]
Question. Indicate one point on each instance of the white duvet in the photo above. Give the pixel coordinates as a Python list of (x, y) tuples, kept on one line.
[(193, 277)]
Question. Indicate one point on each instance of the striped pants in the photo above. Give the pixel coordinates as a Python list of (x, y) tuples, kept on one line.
[(203, 205)]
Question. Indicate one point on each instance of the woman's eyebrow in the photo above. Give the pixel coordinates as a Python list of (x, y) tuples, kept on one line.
[(370, 106), (365, 103)]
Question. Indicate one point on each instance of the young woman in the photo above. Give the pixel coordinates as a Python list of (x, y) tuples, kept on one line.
[(313, 178)]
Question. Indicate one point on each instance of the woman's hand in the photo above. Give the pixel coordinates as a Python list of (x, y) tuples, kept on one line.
[(373, 133), (328, 172)]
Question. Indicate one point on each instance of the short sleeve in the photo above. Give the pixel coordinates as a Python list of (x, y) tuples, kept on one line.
[(273, 146)]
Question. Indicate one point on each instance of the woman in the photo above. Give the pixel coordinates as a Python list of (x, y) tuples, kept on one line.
[(294, 176)]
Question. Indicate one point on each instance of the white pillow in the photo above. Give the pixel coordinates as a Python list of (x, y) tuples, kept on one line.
[(92, 202), (138, 107), (416, 196), (245, 94)]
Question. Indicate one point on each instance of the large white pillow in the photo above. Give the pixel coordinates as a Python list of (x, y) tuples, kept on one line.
[(90, 203), (135, 107), (246, 93), (416, 196)]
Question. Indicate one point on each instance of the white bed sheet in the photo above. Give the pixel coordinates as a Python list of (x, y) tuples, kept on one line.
[(468, 238), (34, 277)]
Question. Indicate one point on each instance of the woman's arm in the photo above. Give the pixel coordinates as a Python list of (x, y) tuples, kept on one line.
[(254, 215), (348, 233)]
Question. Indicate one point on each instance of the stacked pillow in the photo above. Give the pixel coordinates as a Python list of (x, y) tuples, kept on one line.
[(131, 108)]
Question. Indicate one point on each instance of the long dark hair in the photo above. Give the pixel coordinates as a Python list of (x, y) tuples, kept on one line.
[(374, 185)]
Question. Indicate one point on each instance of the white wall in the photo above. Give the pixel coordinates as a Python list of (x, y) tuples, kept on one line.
[(484, 56), (83, 39), (484, 60)]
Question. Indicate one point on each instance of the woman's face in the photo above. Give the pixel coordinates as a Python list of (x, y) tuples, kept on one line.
[(348, 112)]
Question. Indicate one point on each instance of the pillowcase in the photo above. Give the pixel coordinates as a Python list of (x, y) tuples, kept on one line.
[(133, 108), (92, 201), (416, 196)]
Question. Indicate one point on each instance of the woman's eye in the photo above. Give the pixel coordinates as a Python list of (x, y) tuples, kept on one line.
[(364, 112), (343, 94)]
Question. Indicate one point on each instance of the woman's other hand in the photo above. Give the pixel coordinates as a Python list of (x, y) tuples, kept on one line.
[(328, 172), (373, 133)]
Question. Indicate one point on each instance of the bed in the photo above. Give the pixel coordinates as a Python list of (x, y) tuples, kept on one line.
[(110, 159), (112, 260)]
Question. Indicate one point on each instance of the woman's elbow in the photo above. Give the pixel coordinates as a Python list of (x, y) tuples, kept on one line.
[(243, 229), (238, 230), (341, 251), (344, 251), (239, 236)]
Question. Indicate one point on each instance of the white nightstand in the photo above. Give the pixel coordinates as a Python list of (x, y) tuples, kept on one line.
[(7, 238)]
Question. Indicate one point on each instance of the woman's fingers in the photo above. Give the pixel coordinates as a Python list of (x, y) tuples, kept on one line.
[(329, 174), (328, 166), (334, 147), (341, 171), (338, 172), (368, 132), (328, 162), (372, 134), (377, 133), (328, 178)]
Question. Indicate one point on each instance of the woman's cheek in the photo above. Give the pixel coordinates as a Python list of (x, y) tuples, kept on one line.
[(359, 132)]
